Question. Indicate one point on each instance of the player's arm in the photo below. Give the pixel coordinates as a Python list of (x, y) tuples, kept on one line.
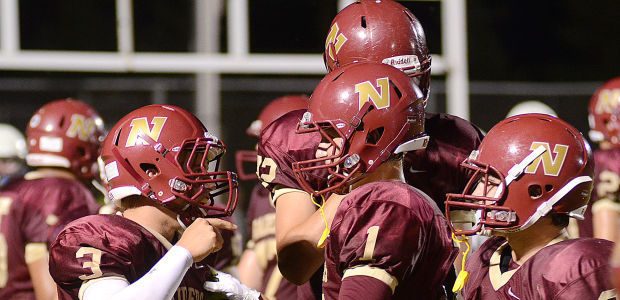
[(36, 255), (299, 227), (593, 285), (250, 272), (198, 241), (606, 210)]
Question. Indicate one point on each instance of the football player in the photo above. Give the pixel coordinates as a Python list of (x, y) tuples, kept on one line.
[(375, 31), (530, 175), (12, 154), (161, 165), (64, 139), (604, 116), (258, 267), (387, 240), (299, 225)]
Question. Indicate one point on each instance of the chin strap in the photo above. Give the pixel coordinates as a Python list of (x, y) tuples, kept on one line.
[(325, 235), (461, 279)]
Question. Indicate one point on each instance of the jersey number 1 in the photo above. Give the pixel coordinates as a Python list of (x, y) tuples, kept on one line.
[(371, 241)]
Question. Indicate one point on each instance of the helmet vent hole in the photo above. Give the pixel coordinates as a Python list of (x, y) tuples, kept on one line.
[(548, 188), (81, 151), (364, 21), (338, 76), (149, 169), (374, 136), (535, 191), (62, 122), (117, 137), (396, 89)]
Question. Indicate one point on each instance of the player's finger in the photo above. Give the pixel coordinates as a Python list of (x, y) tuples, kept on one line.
[(221, 224)]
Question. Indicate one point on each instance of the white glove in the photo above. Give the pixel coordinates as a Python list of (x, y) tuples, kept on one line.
[(231, 287)]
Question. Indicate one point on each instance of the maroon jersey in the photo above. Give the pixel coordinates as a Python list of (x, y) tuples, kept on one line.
[(606, 185), (568, 269), (32, 211), (391, 232), (262, 218), (279, 147), (437, 169), (111, 245)]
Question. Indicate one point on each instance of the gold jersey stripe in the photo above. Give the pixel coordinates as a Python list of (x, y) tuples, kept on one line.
[(373, 272), (281, 191), (35, 251)]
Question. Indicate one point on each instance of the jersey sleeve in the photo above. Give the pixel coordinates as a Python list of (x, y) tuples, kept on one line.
[(379, 240), (595, 285), (48, 208), (83, 252), (278, 148), (35, 229)]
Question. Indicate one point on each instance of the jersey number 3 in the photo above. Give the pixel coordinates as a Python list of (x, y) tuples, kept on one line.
[(93, 264)]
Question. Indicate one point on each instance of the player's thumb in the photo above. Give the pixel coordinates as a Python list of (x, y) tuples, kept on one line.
[(221, 224)]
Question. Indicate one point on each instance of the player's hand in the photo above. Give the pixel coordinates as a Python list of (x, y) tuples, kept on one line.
[(231, 287), (203, 237)]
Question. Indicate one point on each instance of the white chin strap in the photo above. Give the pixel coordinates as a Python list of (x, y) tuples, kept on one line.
[(518, 169), (412, 145)]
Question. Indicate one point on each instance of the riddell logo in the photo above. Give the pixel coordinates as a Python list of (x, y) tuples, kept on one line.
[(403, 61), (551, 166), (140, 127)]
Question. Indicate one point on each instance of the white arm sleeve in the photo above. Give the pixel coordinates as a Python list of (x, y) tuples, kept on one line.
[(161, 282)]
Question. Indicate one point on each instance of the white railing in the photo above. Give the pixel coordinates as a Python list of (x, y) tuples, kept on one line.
[(238, 60)]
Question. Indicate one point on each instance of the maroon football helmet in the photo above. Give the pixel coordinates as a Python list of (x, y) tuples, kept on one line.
[(379, 31), (537, 163), (374, 109), (604, 114), (273, 111), (164, 153), (65, 133)]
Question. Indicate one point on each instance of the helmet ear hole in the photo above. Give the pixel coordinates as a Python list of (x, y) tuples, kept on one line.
[(149, 169), (374, 136), (548, 188), (535, 191), (81, 151)]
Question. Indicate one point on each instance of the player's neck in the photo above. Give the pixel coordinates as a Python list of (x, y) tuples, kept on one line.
[(527, 243), (389, 170), (160, 220)]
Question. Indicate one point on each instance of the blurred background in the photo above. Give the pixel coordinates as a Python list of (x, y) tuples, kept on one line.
[(224, 60)]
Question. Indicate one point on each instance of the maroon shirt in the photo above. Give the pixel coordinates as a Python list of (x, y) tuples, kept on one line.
[(388, 227), (570, 269), (34, 211), (606, 185), (262, 217), (437, 169), (111, 245), (279, 147)]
